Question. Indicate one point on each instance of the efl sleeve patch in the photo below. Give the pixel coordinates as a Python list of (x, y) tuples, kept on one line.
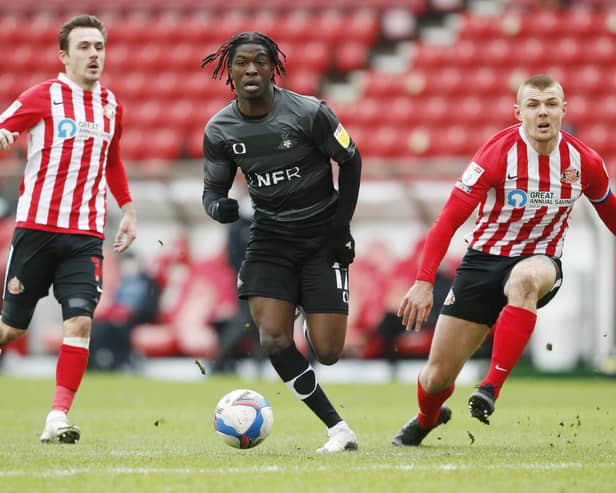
[(342, 136), (472, 174), (10, 111)]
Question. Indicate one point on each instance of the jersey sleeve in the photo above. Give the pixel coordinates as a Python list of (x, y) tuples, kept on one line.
[(479, 176), (27, 110), (115, 171), (219, 171), (595, 180), (330, 137)]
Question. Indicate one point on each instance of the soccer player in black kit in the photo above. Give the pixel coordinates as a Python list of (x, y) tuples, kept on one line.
[(300, 243)]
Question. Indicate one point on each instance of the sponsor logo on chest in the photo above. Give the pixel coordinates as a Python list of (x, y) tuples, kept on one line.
[(270, 178), (67, 128)]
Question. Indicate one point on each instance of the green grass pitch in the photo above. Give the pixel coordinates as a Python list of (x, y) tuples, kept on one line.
[(547, 435)]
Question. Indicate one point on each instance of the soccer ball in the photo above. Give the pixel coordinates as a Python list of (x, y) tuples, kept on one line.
[(243, 418)]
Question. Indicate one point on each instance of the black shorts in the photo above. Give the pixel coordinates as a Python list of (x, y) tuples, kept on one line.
[(294, 269), (73, 264), (478, 288)]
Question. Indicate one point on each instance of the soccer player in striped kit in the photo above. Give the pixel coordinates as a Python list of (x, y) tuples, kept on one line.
[(74, 126), (525, 181), (300, 243)]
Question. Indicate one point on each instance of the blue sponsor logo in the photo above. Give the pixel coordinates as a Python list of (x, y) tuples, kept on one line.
[(517, 198), (67, 128)]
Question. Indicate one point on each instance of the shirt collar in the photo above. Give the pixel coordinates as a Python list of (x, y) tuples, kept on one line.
[(64, 78)]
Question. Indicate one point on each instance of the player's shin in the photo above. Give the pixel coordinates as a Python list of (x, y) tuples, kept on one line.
[(512, 332), (299, 376)]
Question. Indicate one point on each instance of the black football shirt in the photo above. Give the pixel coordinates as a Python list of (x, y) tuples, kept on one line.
[(285, 157)]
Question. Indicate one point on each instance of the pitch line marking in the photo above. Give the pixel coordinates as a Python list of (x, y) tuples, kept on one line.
[(276, 469)]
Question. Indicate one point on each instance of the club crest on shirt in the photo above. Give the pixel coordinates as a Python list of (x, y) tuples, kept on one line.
[(15, 286), (570, 175), (286, 143)]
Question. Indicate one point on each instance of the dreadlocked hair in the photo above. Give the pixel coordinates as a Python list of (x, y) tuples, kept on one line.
[(226, 52)]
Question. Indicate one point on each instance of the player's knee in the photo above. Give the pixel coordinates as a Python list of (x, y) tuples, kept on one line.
[(328, 356), (435, 380), (79, 326), (523, 288), (9, 334), (274, 344)]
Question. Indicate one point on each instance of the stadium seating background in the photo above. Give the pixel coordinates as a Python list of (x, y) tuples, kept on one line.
[(420, 117)]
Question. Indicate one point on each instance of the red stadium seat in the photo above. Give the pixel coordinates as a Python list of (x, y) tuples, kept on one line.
[(130, 85), (362, 26), (583, 23), (11, 29), (587, 79), (607, 111), (312, 56), (428, 55), (150, 56), (264, 21), (133, 28), (579, 112), (195, 27), (383, 84), (599, 50), (455, 140), (351, 56), (303, 82), (481, 26), (11, 86), (222, 27), (194, 147), (542, 23), (134, 141), (473, 109), (164, 144), (437, 110), (165, 85), (330, 24), (400, 110), (599, 137), (294, 26), (498, 51), (42, 30), (386, 141), (369, 112), (182, 116), (568, 50)]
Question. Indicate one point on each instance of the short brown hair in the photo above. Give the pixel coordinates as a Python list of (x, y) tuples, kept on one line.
[(80, 21), (539, 81)]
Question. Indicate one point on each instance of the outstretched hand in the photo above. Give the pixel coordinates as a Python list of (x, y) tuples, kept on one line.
[(7, 138), (416, 305), (127, 230)]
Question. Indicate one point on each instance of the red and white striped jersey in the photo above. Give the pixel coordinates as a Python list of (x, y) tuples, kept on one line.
[(525, 199), (73, 154)]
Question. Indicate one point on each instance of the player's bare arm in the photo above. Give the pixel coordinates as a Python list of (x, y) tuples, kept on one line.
[(7, 138), (127, 231)]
